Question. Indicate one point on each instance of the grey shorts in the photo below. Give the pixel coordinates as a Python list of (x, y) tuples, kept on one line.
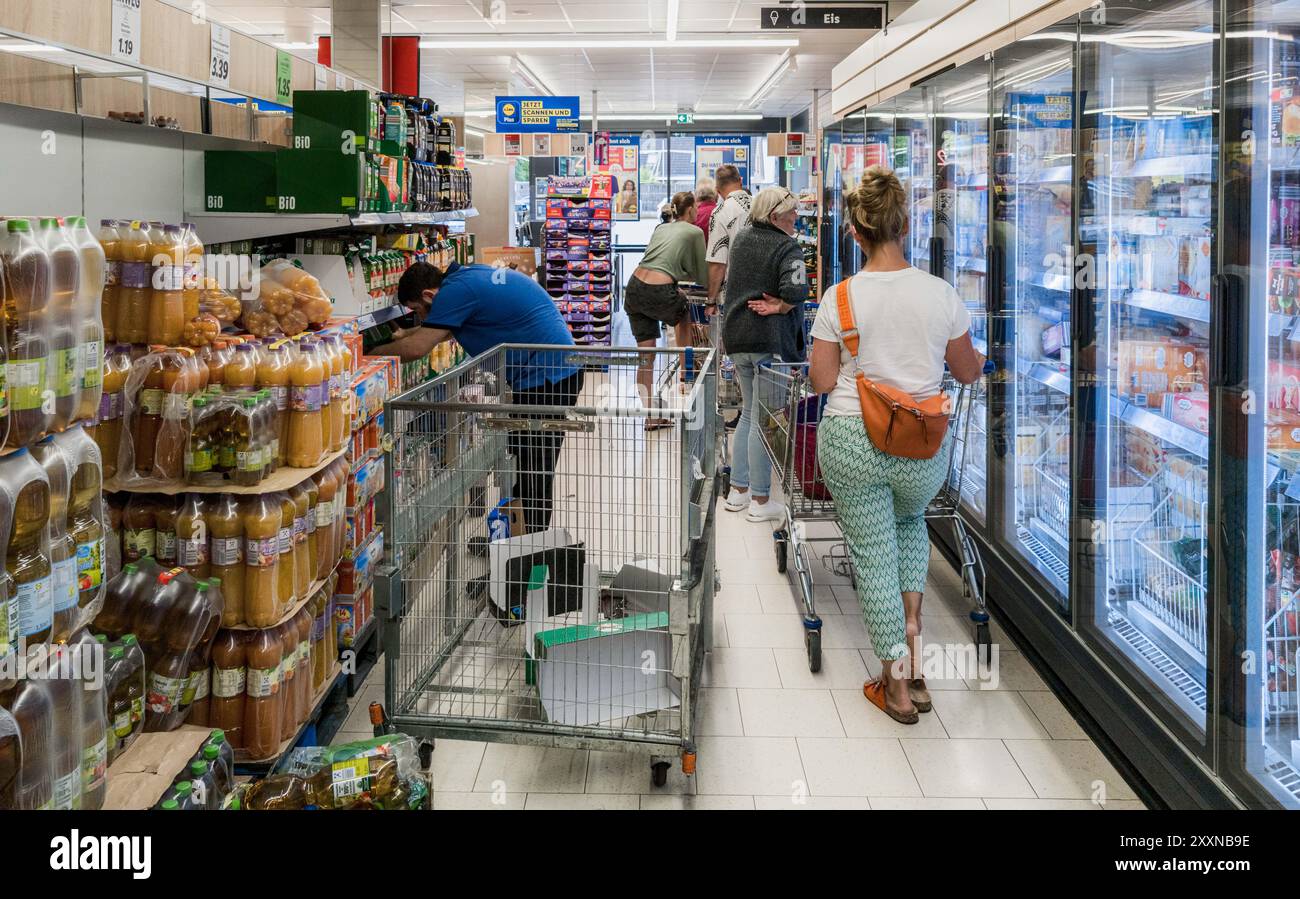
[(647, 305)]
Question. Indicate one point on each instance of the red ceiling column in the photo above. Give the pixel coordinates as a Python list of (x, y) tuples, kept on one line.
[(323, 55), (400, 64)]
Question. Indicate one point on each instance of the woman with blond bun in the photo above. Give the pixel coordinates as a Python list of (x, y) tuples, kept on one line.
[(909, 324)]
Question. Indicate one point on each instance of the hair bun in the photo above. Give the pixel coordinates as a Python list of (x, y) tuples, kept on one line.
[(878, 207)]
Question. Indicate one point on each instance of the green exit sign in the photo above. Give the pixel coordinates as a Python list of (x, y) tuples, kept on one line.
[(685, 118)]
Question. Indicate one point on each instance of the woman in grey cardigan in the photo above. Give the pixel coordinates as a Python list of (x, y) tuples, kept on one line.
[(766, 288)]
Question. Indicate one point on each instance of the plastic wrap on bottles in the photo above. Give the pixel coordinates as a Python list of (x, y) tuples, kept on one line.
[(11, 760), (86, 521), (25, 497), (67, 697), (32, 706), (229, 440), (382, 773), (90, 666), (63, 549), (89, 322), (170, 621), (156, 423), (64, 357), (27, 291), (107, 427), (264, 593), (196, 698)]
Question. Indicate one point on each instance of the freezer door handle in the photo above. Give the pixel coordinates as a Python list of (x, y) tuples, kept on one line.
[(1226, 353)]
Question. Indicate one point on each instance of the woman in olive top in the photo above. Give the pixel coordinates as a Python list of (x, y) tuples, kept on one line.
[(675, 253)]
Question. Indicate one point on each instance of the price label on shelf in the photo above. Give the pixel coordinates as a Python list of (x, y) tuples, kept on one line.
[(283, 77), (219, 67), (125, 34), (320, 77)]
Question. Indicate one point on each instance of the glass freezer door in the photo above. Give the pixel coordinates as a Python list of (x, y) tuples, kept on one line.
[(961, 235), (1148, 163), (914, 165), (1033, 119)]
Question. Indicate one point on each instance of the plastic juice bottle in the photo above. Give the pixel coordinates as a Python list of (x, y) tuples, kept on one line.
[(216, 362), (32, 706), (147, 422), (119, 703), (65, 355), (141, 536), (134, 287), (341, 474), (167, 280), (185, 609), (329, 393), (137, 685), (319, 647), (66, 700), (263, 706), (165, 512), (85, 523), (345, 423), (326, 486), (273, 375), (287, 634), (27, 559), (63, 549), (110, 240), (226, 553), (195, 698), (313, 500), (306, 378), (11, 761), (94, 724), (193, 248), (241, 369), (306, 689), (88, 315), (302, 571), (199, 452), (26, 301), (178, 381), (114, 616), (229, 681), (262, 578), (287, 584), (107, 429), (248, 455), (192, 536)]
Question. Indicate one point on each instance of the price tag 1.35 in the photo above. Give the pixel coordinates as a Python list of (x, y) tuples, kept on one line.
[(125, 34), (219, 67)]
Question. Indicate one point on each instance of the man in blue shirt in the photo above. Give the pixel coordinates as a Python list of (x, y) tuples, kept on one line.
[(483, 307)]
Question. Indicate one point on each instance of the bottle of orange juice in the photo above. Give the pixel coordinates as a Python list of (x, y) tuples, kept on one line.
[(65, 357), (193, 248), (134, 288), (167, 302), (110, 239), (273, 375), (240, 374), (307, 381)]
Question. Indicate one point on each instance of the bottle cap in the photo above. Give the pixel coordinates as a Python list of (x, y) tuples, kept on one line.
[(184, 788), (218, 736), (198, 769), (211, 751), (130, 639), (169, 805), (116, 652)]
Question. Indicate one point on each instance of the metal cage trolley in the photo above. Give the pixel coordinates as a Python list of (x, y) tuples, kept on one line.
[(550, 577)]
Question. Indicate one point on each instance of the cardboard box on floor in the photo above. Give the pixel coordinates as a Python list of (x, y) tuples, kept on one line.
[(138, 779)]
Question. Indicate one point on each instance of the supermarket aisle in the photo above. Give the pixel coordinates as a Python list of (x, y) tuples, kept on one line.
[(776, 736)]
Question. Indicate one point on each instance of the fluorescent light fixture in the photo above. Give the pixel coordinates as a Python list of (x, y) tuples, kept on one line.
[(618, 44), (783, 67), (30, 48), (673, 9), (295, 45), (520, 68)]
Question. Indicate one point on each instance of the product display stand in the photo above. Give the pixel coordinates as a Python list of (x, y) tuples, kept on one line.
[(577, 269)]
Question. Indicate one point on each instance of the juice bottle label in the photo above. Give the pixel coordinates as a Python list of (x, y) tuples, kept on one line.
[(262, 553), (164, 692), (300, 530), (198, 461), (122, 724), (226, 456), (110, 406), (67, 791), (35, 606), (286, 539), (94, 766), (112, 274), (306, 399), (151, 401), (193, 552), (281, 395), (318, 628), (227, 551), (134, 275), (66, 377), (249, 460), (140, 543), (90, 564), (65, 584), (176, 406), (310, 519), (8, 627), (166, 544), (192, 687), (227, 683), (324, 514), (168, 277), (4, 391), (263, 682), (26, 380), (92, 369), (349, 779), (137, 711)]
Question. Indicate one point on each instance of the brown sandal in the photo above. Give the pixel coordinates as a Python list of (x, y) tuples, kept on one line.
[(919, 695), (875, 692)]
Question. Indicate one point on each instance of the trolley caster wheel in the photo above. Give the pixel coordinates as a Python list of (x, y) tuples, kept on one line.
[(813, 641), (426, 754), (853, 577), (726, 482), (478, 546), (781, 542), (659, 773), (983, 644)]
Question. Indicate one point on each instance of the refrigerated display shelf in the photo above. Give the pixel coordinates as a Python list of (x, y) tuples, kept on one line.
[(1058, 283), (1283, 773), (1166, 167), (1186, 690), (1190, 308), (1050, 565), (1057, 174)]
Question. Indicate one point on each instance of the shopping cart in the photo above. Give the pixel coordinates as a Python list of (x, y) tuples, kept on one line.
[(587, 630)]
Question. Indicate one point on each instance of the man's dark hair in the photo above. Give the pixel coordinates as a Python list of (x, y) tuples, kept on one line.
[(415, 280), (727, 174)]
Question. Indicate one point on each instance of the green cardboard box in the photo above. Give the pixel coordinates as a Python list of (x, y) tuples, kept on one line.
[(321, 119), (239, 181), (318, 181)]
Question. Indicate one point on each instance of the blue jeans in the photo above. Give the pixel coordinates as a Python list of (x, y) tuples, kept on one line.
[(750, 467)]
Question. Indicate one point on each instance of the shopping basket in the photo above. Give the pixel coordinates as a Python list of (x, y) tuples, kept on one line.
[(587, 630)]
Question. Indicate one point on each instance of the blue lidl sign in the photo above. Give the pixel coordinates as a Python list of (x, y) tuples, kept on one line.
[(533, 115)]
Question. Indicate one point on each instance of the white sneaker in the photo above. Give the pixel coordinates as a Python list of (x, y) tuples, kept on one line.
[(768, 511), (737, 501)]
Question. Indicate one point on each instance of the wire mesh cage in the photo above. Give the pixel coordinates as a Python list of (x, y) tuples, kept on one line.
[(548, 551)]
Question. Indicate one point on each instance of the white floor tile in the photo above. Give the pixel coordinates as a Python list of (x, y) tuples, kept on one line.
[(478, 801), (719, 630), (739, 599), (991, 714), (1042, 805), (581, 802), (844, 632), (805, 803), (455, 765), (863, 720), (909, 804), (678, 802), (842, 669), (1053, 715), (780, 599), (976, 768), (740, 667), (719, 713), (1125, 805), (749, 766), (531, 769), (1068, 769), (785, 631), (1010, 671), (857, 768), (629, 773), (789, 713)]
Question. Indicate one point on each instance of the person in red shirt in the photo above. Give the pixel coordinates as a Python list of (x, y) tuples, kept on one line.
[(706, 200)]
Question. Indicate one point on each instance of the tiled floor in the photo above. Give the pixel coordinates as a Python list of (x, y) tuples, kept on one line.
[(775, 736)]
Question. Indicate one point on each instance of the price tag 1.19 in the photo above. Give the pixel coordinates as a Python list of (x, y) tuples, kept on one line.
[(219, 67), (125, 34)]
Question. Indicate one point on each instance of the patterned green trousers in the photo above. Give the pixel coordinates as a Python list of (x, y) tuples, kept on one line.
[(880, 500)]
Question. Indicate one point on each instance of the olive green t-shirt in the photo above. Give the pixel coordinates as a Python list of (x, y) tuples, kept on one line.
[(677, 250)]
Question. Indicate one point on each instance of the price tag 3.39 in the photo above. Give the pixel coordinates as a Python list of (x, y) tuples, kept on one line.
[(219, 66)]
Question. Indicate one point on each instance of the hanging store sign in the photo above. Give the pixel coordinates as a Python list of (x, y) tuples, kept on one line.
[(713, 150), (219, 64), (537, 115), (804, 15), (126, 31)]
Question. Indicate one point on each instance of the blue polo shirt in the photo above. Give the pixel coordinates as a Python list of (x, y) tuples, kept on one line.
[(484, 306)]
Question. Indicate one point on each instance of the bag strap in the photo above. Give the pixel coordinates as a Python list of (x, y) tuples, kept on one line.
[(848, 328)]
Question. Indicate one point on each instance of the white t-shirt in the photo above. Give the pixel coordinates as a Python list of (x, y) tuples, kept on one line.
[(905, 320), (728, 217)]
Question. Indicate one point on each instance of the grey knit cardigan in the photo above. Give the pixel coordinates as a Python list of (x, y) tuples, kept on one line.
[(764, 259)]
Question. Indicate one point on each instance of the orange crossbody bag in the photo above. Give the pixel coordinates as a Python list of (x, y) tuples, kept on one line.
[(896, 422)]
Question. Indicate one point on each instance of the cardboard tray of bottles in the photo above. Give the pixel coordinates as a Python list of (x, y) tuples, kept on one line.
[(283, 479), (331, 681), (138, 778)]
